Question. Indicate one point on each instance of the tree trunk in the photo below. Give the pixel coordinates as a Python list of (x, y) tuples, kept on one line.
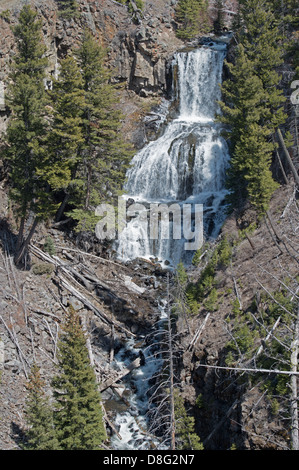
[(62, 208), (21, 252), (281, 167), (88, 188), (20, 234), (288, 157), (108, 383)]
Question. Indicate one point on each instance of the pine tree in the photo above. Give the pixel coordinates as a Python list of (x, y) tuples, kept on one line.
[(39, 417), (26, 133), (264, 47), (219, 22), (252, 107), (186, 436), (256, 168), (78, 415), (104, 155), (66, 137), (242, 108), (68, 8), (192, 17)]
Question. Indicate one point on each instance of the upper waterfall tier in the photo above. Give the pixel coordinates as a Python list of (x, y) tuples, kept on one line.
[(190, 157), (189, 161), (199, 76)]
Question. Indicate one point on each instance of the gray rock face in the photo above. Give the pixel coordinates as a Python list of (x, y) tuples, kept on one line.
[(140, 56)]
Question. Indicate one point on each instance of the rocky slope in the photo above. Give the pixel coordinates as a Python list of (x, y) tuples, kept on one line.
[(234, 410)]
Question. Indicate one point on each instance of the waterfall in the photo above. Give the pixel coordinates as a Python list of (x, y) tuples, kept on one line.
[(186, 164)]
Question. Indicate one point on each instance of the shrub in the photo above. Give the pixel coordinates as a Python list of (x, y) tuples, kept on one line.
[(42, 268)]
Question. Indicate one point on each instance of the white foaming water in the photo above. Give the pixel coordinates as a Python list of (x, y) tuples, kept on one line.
[(133, 424), (187, 163)]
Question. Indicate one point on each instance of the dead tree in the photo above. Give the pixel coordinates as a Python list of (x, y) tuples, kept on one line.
[(162, 394)]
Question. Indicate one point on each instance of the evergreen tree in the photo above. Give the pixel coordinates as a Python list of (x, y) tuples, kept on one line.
[(262, 41), (251, 147), (66, 137), (219, 22), (41, 434), (192, 16), (27, 129), (186, 436), (88, 147), (78, 415), (104, 155), (68, 8), (256, 168), (252, 107)]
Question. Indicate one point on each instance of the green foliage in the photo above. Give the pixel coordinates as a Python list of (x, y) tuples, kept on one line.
[(243, 339), (204, 290), (199, 401), (27, 126), (68, 9), (252, 107), (278, 352), (139, 4), (182, 274), (236, 307), (197, 257), (248, 333), (26, 152), (219, 22), (49, 246), (186, 437), (210, 303), (39, 419), (42, 268), (275, 406), (192, 17), (224, 252), (88, 148), (280, 306), (6, 15), (65, 138), (78, 415)]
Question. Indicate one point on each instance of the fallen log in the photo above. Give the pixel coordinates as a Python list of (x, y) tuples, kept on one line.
[(44, 312), (90, 305), (134, 365), (244, 369), (198, 333), (84, 277), (72, 273)]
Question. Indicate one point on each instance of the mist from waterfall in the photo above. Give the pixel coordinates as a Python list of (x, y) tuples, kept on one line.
[(186, 164)]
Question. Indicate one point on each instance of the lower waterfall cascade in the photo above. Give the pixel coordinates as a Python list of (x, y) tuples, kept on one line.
[(185, 165)]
